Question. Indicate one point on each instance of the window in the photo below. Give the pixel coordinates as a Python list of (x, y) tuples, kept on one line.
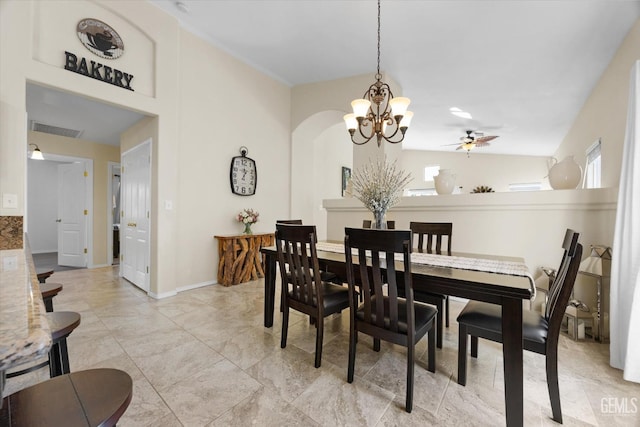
[(525, 186), (421, 192), (593, 169)]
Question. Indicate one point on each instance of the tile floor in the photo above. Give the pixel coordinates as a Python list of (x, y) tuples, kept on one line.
[(203, 358)]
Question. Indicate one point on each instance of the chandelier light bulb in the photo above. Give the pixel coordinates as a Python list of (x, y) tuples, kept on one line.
[(399, 105), (350, 121), (360, 107), (406, 119)]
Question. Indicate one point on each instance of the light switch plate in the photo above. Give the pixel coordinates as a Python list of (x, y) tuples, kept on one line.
[(9, 263), (9, 201)]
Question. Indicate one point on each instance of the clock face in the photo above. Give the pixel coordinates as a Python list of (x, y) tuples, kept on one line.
[(243, 176)]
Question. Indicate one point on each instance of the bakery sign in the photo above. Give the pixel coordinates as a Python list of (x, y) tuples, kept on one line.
[(105, 42)]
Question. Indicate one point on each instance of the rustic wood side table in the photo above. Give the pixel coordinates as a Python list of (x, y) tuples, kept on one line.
[(240, 257)]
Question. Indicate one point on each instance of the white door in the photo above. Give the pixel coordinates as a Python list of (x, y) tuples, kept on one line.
[(72, 215), (134, 221)]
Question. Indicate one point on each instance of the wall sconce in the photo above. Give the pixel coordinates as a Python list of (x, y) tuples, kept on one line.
[(598, 265), (36, 154)]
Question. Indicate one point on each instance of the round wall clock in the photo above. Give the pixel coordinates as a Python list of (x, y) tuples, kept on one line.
[(243, 174)]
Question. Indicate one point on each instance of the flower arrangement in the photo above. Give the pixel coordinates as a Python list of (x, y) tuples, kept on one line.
[(379, 185), (247, 217)]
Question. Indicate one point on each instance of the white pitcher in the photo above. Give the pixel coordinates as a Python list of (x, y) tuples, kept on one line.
[(445, 181), (565, 175)]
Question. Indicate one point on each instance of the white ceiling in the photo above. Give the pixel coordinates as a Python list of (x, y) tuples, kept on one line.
[(522, 68)]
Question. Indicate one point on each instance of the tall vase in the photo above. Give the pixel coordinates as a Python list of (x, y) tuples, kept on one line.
[(379, 220), (445, 181), (247, 228), (565, 174)]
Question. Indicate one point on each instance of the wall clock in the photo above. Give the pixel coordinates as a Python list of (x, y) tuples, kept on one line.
[(243, 174)]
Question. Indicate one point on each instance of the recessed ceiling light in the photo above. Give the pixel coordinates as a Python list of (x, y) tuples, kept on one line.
[(182, 7), (459, 113)]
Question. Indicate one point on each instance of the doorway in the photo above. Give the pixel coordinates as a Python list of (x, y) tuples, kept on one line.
[(113, 212), (59, 194)]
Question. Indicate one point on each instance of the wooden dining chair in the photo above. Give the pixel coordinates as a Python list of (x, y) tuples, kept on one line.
[(386, 316), (325, 275), (540, 332), (430, 240), (391, 224), (302, 287)]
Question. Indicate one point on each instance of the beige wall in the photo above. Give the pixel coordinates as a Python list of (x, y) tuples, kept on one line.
[(495, 171), (604, 114), (225, 104), (205, 103), (101, 154)]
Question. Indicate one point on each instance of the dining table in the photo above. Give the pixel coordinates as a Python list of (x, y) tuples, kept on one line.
[(458, 276)]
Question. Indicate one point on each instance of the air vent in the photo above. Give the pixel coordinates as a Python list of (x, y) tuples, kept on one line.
[(55, 130)]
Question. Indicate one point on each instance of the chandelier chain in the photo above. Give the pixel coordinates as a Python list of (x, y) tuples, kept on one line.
[(378, 76)]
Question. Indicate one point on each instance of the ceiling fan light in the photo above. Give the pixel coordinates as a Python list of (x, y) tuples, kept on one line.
[(350, 121), (360, 107), (399, 105), (406, 119)]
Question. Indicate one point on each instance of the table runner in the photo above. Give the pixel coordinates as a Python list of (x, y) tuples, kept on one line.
[(510, 268)]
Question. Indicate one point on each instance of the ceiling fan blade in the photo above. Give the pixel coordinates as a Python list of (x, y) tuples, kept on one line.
[(486, 138), (482, 144), (459, 147)]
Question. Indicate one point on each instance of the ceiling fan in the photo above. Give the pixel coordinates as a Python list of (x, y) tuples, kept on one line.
[(474, 139)]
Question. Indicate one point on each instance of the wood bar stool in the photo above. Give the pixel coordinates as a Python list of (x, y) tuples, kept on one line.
[(48, 291), (44, 275), (95, 397), (61, 323)]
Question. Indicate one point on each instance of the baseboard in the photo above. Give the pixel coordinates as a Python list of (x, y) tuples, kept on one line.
[(162, 295), (44, 251), (181, 289), (196, 285)]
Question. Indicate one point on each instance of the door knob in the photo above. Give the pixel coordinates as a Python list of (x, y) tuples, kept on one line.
[(58, 220), (132, 224)]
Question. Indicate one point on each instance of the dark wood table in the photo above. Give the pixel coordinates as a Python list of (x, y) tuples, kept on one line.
[(504, 290)]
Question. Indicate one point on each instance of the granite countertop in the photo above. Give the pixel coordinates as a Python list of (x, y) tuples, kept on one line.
[(24, 331)]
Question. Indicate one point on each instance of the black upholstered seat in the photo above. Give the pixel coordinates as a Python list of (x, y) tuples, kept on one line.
[(540, 332)]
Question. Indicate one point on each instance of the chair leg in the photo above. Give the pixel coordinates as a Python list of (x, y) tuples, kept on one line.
[(474, 346), (285, 325), (432, 348), (64, 356), (552, 385), (440, 322), (462, 354), (353, 335), (446, 316), (319, 336), (55, 361), (409, 402), (376, 344)]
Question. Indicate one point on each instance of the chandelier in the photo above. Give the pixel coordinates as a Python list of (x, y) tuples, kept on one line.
[(378, 113)]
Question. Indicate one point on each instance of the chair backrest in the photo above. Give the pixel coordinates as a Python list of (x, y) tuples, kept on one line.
[(371, 274), (289, 221), (560, 290), (391, 225), (431, 230), (298, 261)]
